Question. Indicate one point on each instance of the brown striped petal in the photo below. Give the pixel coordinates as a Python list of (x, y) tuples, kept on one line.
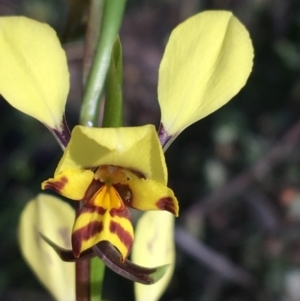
[(94, 224)]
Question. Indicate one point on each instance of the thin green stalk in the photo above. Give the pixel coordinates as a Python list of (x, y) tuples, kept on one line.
[(113, 109), (97, 270), (111, 19), (110, 12), (91, 37)]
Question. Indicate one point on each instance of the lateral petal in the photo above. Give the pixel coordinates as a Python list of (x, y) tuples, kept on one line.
[(207, 60), (151, 195), (95, 224), (34, 76), (72, 183)]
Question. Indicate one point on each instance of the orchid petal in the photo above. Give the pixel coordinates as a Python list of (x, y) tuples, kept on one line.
[(151, 195), (53, 217), (34, 76), (134, 148), (207, 60), (72, 184), (154, 245)]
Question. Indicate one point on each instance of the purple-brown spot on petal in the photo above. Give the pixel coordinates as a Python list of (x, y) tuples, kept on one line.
[(56, 185), (167, 203)]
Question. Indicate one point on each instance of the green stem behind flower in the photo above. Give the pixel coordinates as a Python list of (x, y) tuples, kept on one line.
[(113, 109), (97, 269), (111, 12), (111, 19), (91, 37)]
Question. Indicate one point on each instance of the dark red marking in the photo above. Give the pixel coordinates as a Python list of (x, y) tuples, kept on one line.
[(124, 236), (57, 185), (90, 209), (124, 212), (168, 204), (92, 189), (84, 234)]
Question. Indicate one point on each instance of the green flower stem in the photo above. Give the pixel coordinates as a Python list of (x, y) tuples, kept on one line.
[(113, 109), (90, 273), (97, 269), (111, 19), (92, 36)]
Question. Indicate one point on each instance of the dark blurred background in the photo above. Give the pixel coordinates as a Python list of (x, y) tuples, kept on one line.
[(236, 173)]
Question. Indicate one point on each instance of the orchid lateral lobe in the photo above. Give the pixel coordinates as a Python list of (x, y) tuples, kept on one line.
[(112, 258)]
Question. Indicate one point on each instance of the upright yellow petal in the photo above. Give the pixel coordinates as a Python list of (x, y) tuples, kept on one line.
[(54, 218), (206, 62), (34, 75), (135, 148), (154, 245)]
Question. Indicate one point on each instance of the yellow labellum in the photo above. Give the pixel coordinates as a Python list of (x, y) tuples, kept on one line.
[(53, 218), (206, 62), (34, 76)]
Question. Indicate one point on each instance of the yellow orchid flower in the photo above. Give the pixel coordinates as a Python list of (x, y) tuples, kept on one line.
[(109, 170), (207, 60)]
